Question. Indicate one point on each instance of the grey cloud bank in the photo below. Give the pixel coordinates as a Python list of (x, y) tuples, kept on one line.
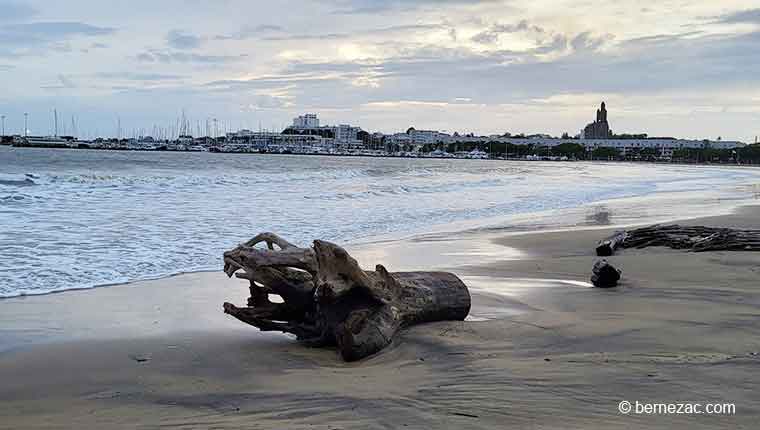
[(374, 6), (180, 40), (744, 16), (484, 66), (34, 38), (250, 31), (12, 11)]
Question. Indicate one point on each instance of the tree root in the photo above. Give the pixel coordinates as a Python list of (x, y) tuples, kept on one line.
[(329, 300)]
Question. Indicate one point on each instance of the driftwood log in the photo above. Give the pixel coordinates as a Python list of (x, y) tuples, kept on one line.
[(608, 246), (327, 299), (692, 238)]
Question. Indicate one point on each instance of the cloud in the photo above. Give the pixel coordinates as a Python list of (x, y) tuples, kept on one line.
[(557, 44), (376, 6), (749, 16), (405, 103), (250, 31), (47, 30), (146, 57), (167, 57), (38, 37), (360, 33), (431, 73), (491, 35), (130, 76), (661, 39), (64, 82), (272, 81), (178, 39), (267, 102), (453, 34), (14, 11), (421, 55), (586, 42)]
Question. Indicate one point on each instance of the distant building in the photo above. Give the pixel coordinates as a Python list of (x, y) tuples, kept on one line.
[(342, 136), (599, 129), (345, 133), (414, 140), (399, 139), (308, 120), (426, 137), (665, 146)]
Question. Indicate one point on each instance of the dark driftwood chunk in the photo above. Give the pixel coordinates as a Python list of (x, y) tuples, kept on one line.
[(605, 275), (329, 300), (606, 247)]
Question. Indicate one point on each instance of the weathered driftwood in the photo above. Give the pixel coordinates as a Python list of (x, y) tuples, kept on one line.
[(327, 299), (607, 247), (693, 238), (604, 275)]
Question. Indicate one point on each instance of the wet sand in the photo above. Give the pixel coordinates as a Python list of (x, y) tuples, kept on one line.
[(543, 349)]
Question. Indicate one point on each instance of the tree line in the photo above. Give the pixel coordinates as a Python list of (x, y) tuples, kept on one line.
[(575, 151)]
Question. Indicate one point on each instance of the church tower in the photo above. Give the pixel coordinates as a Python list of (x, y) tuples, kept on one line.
[(599, 129)]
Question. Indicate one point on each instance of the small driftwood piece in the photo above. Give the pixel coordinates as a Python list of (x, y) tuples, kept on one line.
[(327, 299), (608, 246), (604, 275), (692, 238)]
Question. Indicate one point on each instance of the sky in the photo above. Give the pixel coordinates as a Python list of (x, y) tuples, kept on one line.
[(679, 68)]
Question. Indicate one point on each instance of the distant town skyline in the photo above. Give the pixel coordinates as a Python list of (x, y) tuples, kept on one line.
[(670, 68)]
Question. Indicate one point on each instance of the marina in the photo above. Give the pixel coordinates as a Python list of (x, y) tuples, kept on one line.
[(307, 137)]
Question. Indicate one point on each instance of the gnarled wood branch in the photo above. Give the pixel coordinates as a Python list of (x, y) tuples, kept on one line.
[(693, 238), (329, 300)]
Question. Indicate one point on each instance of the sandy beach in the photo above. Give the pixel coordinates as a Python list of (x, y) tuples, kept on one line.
[(542, 349)]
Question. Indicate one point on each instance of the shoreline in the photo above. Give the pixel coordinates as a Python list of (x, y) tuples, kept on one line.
[(540, 350), (538, 159), (513, 224), (364, 250)]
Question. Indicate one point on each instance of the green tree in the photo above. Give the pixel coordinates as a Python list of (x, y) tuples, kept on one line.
[(605, 153), (570, 150), (750, 153), (650, 154)]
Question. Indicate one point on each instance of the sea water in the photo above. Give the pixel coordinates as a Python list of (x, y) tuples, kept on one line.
[(73, 219)]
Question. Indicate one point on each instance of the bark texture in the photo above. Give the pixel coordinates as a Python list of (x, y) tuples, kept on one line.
[(608, 246), (692, 238), (327, 299)]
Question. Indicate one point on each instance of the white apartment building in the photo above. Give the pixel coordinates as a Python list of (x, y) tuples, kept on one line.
[(418, 138), (308, 120), (399, 139), (345, 133), (426, 137)]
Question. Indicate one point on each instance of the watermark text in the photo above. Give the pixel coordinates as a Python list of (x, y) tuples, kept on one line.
[(678, 408)]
